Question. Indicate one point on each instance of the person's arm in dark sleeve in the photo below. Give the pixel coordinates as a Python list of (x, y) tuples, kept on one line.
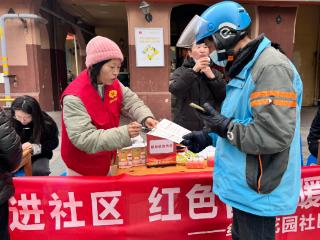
[(181, 81), (273, 104), (50, 142), (10, 145), (314, 133), (217, 86)]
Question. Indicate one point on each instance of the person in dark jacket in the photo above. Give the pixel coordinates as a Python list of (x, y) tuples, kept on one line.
[(37, 131), (10, 158), (195, 81), (314, 134)]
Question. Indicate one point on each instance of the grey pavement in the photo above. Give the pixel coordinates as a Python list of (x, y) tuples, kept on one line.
[(57, 166)]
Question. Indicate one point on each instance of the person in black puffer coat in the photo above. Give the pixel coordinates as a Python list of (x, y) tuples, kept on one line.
[(37, 131), (195, 81), (314, 134), (10, 158)]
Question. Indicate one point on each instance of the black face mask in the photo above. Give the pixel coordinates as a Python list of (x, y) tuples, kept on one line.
[(242, 57)]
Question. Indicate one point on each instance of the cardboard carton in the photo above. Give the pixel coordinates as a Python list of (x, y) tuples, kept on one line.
[(131, 156), (160, 151)]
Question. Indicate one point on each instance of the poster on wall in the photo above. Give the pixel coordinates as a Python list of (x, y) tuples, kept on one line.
[(149, 47)]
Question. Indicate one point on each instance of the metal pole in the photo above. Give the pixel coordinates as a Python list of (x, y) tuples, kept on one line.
[(4, 60), (4, 57), (76, 54)]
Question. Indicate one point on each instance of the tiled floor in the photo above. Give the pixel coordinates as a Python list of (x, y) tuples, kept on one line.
[(57, 166)]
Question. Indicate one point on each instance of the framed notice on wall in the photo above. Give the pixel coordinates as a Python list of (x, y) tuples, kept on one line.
[(149, 47)]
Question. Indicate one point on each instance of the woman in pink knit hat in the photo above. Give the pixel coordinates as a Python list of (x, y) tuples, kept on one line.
[(92, 105)]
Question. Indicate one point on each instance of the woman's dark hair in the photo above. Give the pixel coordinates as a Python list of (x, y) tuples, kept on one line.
[(31, 106), (94, 72)]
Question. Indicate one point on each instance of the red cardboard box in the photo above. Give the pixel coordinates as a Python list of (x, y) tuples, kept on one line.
[(160, 151)]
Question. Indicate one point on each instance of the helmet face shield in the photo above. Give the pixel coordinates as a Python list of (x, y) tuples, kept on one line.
[(226, 22), (190, 34)]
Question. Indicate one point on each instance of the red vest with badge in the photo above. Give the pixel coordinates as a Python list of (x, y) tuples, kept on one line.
[(105, 114)]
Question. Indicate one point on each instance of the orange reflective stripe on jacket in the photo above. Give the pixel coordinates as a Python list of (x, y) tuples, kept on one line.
[(285, 103), (260, 102), (268, 98), (291, 95), (276, 102)]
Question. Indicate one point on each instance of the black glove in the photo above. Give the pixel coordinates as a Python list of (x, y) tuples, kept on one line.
[(214, 120), (197, 141)]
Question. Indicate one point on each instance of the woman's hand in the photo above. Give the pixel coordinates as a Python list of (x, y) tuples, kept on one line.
[(134, 129), (208, 72), (151, 123), (201, 63), (26, 145)]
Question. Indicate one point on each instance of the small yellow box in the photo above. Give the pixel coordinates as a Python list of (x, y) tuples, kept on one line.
[(138, 156), (131, 156), (125, 158)]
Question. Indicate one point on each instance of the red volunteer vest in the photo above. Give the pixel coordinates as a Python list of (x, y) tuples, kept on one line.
[(104, 115)]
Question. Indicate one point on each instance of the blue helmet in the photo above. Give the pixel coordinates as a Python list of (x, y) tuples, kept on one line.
[(227, 22)]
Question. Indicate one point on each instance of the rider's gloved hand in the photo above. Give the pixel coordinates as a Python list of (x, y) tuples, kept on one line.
[(214, 120), (196, 141)]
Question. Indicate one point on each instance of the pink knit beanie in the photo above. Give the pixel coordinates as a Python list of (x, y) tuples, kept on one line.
[(100, 49)]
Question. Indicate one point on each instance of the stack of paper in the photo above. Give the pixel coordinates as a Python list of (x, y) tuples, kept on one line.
[(169, 130)]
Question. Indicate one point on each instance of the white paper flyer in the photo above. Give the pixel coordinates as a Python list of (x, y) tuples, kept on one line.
[(169, 130)]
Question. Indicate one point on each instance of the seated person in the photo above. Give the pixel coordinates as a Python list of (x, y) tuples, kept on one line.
[(195, 81), (314, 134), (37, 131)]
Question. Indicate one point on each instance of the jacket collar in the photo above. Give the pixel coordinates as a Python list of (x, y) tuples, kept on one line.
[(263, 45)]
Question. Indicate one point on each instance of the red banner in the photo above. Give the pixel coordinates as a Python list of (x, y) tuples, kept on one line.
[(175, 206)]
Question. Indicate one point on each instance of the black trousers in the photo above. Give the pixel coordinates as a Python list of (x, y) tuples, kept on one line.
[(313, 148), (247, 226), (4, 218), (40, 167)]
